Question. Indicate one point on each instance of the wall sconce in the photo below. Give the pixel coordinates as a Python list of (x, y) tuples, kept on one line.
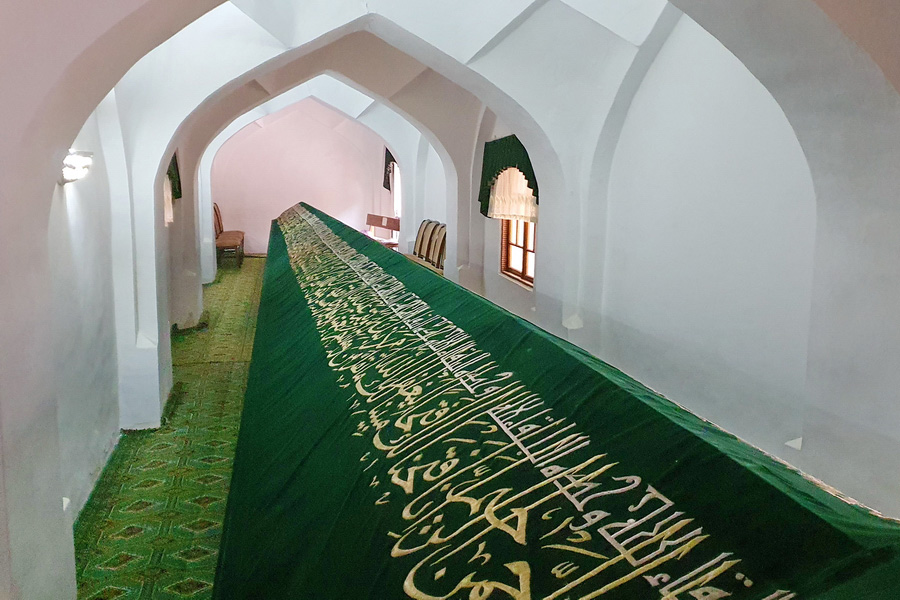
[(76, 166)]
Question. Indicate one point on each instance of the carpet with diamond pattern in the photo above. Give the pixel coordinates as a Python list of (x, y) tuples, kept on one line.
[(151, 528)]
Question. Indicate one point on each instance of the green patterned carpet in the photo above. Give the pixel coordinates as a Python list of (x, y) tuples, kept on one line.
[(151, 528)]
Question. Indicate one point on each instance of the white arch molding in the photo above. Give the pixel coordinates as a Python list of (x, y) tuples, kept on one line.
[(847, 119), (346, 100), (553, 322), (284, 75), (853, 335)]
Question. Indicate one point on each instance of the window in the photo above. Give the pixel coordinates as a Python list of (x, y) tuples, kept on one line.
[(513, 202), (517, 250), (168, 203), (396, 189)]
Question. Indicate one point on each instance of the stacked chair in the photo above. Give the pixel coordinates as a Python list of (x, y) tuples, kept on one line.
[(431, 245)]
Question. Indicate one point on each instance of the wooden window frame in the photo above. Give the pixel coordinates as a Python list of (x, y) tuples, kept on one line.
[(505, 244)]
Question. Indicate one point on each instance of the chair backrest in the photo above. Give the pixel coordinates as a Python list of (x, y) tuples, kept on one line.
[(391, 223), (438, 246), (217, 220), (442, 254), (420, 237), (427, 239)]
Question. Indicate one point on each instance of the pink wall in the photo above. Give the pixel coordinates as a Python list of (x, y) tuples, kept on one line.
[(873, 25), (307, 152)]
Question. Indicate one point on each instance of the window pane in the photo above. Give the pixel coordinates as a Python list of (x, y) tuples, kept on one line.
[(515, 259), (529, 271), (513, 231), (520, 225), (530, 237)]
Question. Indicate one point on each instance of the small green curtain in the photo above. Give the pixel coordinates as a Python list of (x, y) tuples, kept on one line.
[(500, 155), (388, 161), (174, 177)]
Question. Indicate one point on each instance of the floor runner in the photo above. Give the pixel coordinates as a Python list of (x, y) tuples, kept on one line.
[(152, 526)]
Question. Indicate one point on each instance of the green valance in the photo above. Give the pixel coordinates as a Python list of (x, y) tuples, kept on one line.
[(500, 155)]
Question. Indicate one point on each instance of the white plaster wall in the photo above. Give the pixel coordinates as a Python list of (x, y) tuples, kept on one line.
[(403, 139), (152, 100), (205, 226), (568, 94), (847, 117), (421, 95), (55, 65), (570, 102), (632, 20), (307, 152), (67, 75), (295, 24), (710, 243), (185, 302), (452, 134), (583, 285), (85, 367), (572, 116), (138, 361), (435, 204), (460, 29), (399, 134)]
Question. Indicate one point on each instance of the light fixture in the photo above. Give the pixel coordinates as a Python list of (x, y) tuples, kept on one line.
[(76, 165)]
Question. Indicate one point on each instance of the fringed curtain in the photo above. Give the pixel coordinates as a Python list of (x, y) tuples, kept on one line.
[(511, 198), (500, 155)]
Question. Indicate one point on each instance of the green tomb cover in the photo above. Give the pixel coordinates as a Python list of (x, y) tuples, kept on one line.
[(405, 438)]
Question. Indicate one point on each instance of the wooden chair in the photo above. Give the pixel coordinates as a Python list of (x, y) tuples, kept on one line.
[(438, 247), (425, 247), (430, 248), (420, 237), (390, 223), (227, 241)]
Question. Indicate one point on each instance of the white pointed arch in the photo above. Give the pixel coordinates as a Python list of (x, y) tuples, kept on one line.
[(854, 334), (400, 137), (442, 129), (846, 116)]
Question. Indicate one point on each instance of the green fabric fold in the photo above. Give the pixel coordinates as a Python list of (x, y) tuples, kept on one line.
[(404, 438)]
